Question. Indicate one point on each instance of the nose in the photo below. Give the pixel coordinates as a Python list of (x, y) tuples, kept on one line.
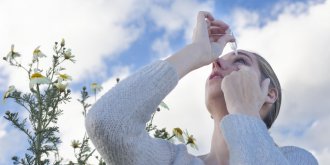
[(223, 64), (225, 67)]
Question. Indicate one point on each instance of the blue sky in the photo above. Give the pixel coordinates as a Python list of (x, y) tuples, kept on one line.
[(114, 38)]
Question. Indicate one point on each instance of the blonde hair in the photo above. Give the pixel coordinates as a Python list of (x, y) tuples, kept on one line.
[(267, 72)]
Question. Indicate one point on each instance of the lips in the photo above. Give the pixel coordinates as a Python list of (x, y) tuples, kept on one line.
[(216, 70), (215, 74)]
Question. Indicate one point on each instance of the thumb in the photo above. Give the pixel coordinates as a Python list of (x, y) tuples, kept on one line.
[(265, 86), (201, 31)]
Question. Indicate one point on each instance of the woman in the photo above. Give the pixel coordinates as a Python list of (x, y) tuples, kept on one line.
[(243, 97)]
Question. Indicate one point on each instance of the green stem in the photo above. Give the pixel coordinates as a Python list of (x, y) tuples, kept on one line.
[(52, 113), (55, 65), (94, 91), (39, 128), (19, 65), (170, 137)]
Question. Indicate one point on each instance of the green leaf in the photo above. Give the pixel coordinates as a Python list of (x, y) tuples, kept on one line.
[(162, 104)]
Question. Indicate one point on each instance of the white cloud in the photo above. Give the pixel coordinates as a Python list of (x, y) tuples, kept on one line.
[(175, 18), (94, 30), (162, 47), (323, 156), (178, 15)]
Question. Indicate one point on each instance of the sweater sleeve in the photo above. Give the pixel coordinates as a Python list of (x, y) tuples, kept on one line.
[(249, 142), (116, 123)]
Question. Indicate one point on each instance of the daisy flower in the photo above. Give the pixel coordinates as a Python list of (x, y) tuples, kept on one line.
[(68, 55), (11, 55), (178, 134), (96, 87), (10, 90), (61, 87), (75, 144), (38, 78), (37, 54), (63, 77), (191, 140)]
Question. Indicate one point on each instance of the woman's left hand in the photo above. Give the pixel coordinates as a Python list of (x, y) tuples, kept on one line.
[(242, 91)]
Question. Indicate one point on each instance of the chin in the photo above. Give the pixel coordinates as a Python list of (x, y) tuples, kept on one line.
[(213, 93), (213, 88)]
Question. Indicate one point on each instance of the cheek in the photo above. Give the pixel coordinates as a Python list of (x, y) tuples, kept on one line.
[(257, 72), (259, 75)]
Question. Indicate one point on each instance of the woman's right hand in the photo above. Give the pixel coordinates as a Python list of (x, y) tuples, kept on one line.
[(209, 39)]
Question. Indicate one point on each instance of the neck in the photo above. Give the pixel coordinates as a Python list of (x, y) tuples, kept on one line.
[(219, 153)]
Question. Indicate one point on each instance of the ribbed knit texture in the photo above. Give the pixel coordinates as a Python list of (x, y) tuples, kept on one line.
[(116, 125)]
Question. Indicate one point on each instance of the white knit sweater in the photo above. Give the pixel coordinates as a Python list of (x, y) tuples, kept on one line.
[(116, 125)]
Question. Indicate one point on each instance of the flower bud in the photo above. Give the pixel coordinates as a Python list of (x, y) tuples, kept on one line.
[(62, 42)]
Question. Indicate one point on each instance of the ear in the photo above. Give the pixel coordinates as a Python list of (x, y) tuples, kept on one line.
[(272, 95)]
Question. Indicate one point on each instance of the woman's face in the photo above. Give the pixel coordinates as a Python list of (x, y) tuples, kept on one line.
[(223, 67)]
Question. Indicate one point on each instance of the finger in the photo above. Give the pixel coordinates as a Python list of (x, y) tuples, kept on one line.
[(207, 15), (214, 37), (217, 30), (243, 67), (208, 23), (220, 24), (265, 86), (204, 15), (201, 26), (248, 70)]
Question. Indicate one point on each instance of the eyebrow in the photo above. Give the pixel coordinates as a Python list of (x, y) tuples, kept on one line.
[(245, 54)]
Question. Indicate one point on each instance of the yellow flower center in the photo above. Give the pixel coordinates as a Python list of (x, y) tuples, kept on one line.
[(191, 140), (64, 76), (36, 51), (178, 131), (37, 75)]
